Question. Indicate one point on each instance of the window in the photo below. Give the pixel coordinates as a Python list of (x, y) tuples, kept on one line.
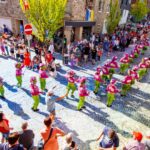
[(101, 5), (108, 8)]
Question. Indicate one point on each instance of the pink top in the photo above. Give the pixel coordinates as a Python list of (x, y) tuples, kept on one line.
[(71, 79), (105, 71), (142, 65), (137, 51), (127, 79), (43, 74), (19, 71), (134, 74), (111, 88), (83, 91), (34, 90), (131, 56), (113, 64), (124, 59), (97, 77)]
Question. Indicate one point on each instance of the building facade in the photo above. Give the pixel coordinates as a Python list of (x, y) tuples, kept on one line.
[(11, 15), (84, 17), (81, 18)]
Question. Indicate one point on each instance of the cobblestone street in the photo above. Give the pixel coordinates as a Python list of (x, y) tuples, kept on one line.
[(127, 113)]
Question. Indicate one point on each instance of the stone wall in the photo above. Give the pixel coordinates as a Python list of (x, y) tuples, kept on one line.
[(11, 9)]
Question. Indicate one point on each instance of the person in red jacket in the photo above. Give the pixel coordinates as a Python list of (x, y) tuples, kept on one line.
[(127, 82), (4, 127), (111, 91), (124, 63)]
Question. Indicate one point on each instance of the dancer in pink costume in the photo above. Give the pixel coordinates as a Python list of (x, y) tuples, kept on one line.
[(43, 76), (83, 92), (124, 63), (19, 74), (98, 79), (71, 82), (111, 91)]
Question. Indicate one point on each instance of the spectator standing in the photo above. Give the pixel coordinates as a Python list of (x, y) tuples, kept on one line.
[(51, 48), (99, 52), (94, 52), (52, 143), (13, 143), (106, 46), (26, 137), (147, 141), (86, 52), (110, 139), (136, 144), (27, 60)]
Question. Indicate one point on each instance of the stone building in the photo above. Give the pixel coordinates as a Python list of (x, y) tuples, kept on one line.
[(82, 17), (11, 15), (78, 23)]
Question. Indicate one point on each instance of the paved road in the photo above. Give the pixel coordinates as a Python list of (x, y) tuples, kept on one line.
[(127, 114)]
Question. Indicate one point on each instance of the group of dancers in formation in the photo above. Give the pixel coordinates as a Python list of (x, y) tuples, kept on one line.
[(103, 75)]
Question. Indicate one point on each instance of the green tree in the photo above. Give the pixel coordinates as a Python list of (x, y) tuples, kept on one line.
[(114, 16), (139, 10), (46, 16)]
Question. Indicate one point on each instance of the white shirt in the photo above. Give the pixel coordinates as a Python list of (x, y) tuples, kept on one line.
[(51, 48)]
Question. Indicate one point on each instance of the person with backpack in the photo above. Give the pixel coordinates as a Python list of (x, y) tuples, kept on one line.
[(50, 135)]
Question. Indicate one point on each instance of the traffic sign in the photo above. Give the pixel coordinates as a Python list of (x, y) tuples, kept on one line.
[(28, 29)]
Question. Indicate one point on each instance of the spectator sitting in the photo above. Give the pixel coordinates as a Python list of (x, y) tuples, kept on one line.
[(147, 141), (13, 143), (70, 144), (136, 143), (109, 140), (26, 137), (35, 63)]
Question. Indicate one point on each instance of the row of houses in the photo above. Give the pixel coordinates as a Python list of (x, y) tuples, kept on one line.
[(82, 16)]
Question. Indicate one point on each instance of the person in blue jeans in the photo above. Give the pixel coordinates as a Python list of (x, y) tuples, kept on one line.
[(109, 139)]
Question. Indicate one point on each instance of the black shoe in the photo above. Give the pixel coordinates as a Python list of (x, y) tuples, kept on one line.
[(95, 92), (72, 96), (83, 107), (36, 110), (109, 106), (80, 109)]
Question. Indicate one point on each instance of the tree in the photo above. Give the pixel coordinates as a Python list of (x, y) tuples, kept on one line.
[(46, 16), (139, 10), (114, 16)]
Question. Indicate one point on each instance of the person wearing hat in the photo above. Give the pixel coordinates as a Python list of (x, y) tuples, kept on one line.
[(134, 74), (124, 63), (50, 99), (112, 65), (105, 73), (2, 91), (142, 69), (136, 144), (147, 141), (111, 91), (19, 74), (98, 79), (35, 93), (43, 76), (71, 83), (127, 82), (131, 57), (83, 92)]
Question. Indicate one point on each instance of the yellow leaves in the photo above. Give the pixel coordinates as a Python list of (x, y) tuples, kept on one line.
[(45, 15)]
